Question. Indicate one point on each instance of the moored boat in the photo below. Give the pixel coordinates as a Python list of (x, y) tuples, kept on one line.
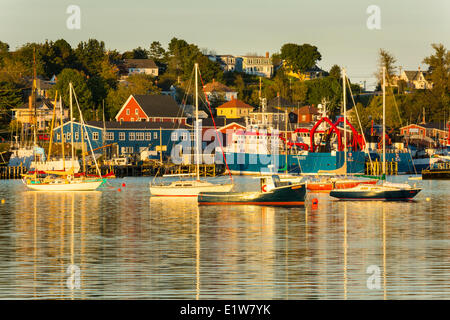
[(281, 194), (64, 184), (385, 192), (336, 183), (187, 188)]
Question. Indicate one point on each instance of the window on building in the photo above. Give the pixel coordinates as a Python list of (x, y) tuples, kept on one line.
[(185, 136), (136, 111), (140, 136), (155, 135), (174, 136), (94, 135), (131, 136), (109, 135), (122, 136), (69, 136), (128, 112), (58, 136), (132, 119), (77, 135), (148, 136)]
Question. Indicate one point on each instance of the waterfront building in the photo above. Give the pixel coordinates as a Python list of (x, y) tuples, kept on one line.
[(126, 138), (151, 108), (433, 132)]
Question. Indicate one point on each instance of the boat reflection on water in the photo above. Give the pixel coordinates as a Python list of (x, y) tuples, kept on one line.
[(51, 246), (128, 245)]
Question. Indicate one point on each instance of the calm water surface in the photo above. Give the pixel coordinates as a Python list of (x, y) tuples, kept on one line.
[(129, 245)]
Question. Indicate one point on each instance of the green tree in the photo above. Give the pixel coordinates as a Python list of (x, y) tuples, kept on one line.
[(157, 52), (386, 59), (4, 47), (10, 95), (300, 57), (57, 56), (326, 88), (299, 92), (80, 84), (335, 72), (439, 66), (89, 56)]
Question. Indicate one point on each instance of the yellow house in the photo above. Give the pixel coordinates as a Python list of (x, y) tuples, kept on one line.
[(313, 73), (234, 109)]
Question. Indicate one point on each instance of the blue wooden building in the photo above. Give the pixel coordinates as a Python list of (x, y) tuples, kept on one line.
[(126, 138)]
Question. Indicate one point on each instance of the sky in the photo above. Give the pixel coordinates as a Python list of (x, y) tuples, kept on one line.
[(338, 28)]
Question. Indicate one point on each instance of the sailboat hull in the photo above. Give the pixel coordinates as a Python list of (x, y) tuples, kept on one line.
[(188, 189), (88, 185), (380, 195)]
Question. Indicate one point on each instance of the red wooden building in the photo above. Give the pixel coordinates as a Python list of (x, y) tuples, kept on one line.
[(151, 108)]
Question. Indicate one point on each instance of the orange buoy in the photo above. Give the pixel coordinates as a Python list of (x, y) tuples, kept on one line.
[(119, 190), (315, 201), (123, 184)]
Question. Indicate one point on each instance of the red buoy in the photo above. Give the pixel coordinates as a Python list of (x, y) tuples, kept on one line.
[(119, 190), (123, 184), (315, 201)]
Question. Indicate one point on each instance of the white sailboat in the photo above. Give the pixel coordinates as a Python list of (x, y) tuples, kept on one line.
[(65, 180), (190, 188)]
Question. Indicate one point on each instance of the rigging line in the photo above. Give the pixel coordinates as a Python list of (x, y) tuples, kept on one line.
[(359, 121), (401, 122), (214, 122), (89, 140)]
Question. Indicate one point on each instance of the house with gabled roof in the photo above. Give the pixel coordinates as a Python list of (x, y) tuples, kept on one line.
[(234, 109), (218, 91), (151, 108), (25, 114), (128, 67), (414, 79)]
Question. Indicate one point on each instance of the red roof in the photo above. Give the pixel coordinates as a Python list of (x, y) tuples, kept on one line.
[(235, 103)]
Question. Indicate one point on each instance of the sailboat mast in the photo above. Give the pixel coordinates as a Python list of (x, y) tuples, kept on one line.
[(196, 124), (53, 123), (71, 121), (384, 121), (34, 98), (345, 116), (286, 137), (62, 133)]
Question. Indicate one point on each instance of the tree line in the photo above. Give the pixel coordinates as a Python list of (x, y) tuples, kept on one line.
[(93, 70)]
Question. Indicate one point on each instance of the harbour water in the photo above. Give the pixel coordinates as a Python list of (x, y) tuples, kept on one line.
[(114, 244)]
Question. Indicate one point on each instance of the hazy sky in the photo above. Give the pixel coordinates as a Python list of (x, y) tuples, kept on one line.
[(337, 28)]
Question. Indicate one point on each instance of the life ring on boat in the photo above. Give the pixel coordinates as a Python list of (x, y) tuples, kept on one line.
[(264, 188)]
